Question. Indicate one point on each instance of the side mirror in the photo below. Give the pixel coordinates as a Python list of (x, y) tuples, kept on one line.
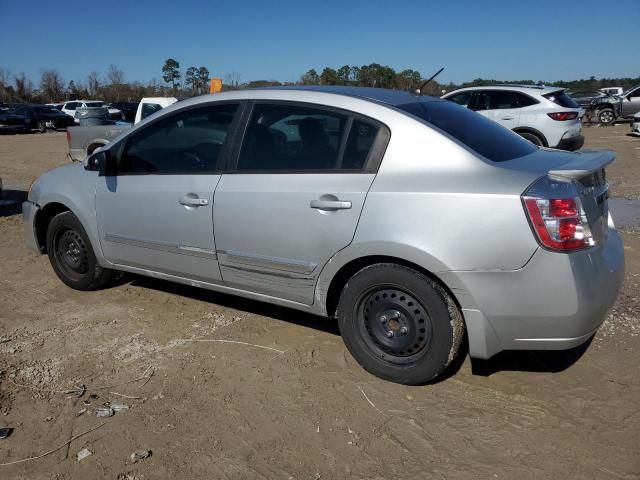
[(102, 162)]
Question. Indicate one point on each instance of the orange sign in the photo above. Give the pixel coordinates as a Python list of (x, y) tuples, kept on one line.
[(216, 85)]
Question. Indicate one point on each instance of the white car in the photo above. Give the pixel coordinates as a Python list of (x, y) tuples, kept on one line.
[(616, 91), (635, 125), (70, 108), (546, 116)]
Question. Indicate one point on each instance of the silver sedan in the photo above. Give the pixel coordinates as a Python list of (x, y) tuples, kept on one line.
[(416, 223)]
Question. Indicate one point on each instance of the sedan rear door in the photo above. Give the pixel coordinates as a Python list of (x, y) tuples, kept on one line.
[(294, 196), (499, 105)]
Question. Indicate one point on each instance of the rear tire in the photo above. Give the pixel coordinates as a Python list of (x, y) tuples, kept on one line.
[(532, 137), (606, 116), (399, 324), (72, 256)]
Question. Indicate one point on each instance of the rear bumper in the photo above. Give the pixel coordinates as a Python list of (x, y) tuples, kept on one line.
[(571, 144), (556, 302), (29, 212)]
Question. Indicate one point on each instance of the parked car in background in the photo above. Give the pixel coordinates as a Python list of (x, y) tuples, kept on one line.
[(630, 102), (128, 110), (350, 203), (42, 117), (604, 107), (545, 116), (57, 106), (12, 122), (635, 125), (612, 90), (70, 108), (85, 140)]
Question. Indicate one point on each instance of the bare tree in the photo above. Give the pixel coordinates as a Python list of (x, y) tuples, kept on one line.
[(4, 83), (93, 83), (232, 79), (115, 77), (51, 85), (24, 87)]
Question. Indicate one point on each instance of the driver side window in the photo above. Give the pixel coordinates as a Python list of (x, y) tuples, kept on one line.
[(185, 142)]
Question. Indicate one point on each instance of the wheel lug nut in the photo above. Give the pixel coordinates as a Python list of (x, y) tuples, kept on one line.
[(383, 319), (389, 334), (403, 330)]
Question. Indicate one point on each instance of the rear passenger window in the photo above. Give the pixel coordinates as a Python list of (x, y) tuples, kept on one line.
[(283, 138), (184, 142), (525, 100), (496, 100)]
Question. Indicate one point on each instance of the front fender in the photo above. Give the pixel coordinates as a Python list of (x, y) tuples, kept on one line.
[(74, 187)]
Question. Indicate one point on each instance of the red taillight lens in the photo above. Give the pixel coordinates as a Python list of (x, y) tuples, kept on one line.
[(559, 223), (562, 116), (563, 207)]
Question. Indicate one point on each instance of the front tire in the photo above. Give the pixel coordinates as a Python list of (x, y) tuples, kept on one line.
[(399, 324), (606, 116), (72, 256)]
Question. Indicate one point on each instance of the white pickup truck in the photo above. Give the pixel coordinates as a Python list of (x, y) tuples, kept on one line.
[(84, 140)]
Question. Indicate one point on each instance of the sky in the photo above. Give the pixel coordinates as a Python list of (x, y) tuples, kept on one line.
[(281, 40)]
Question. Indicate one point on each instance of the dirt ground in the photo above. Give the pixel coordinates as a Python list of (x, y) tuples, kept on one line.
[(301, 408)]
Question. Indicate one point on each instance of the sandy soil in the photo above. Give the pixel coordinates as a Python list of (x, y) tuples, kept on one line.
[(235, 411)]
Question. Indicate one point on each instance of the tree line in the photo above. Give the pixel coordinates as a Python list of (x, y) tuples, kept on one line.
[(111, 86)]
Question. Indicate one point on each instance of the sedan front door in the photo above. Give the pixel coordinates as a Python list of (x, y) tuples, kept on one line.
[(157, 212), (294, 197)]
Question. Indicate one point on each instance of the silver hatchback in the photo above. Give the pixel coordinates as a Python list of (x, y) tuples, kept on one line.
[(416, 223)]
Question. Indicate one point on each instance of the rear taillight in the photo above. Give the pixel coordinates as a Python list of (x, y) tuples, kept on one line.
[(559, 223), (562, 116)]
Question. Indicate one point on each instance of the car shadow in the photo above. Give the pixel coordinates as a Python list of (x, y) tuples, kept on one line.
[(544, 361), (11, 202), (232, 301), (523, 361)]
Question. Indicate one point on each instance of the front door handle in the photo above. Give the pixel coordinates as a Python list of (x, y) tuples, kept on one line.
[(193, 202), (330, 204), (507, 117)]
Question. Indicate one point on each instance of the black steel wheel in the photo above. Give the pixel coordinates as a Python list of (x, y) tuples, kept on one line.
[(72, 256), (399, 324), (394, 324)]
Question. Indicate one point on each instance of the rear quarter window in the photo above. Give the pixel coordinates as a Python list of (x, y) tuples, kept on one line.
[(479, 134), (562, 99)]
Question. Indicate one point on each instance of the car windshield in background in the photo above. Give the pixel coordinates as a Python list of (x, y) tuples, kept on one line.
[(562, 99), (94, 104), (478, 133)]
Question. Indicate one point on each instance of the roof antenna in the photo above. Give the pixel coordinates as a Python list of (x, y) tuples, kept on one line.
[(419, 91)]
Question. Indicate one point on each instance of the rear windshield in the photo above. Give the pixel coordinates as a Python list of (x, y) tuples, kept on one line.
[(478, 133), (562, 99), (94, 104)]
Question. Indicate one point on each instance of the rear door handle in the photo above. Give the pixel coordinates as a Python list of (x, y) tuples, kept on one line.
[(330, 204), (193, 202)]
